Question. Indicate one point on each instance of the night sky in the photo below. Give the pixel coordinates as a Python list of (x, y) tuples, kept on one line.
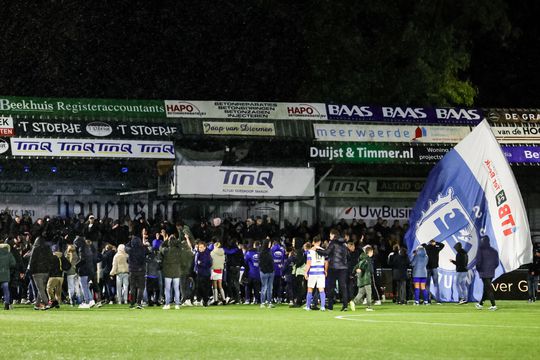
[(400, 52)]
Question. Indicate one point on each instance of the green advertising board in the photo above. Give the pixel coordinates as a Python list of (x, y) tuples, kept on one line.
[(375, 153), (11, 105)]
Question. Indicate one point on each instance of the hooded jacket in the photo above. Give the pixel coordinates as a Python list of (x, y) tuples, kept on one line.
[(86, 265), (137, 255), (399, 263), (432, 252), (203, 263), (364, 277), (419, 263), (7, 262), (218, 258), (336, 253), (487, 259), (266, 262), (171, 253), (462, 258), (186, 259), (120, 261), (40, 261)]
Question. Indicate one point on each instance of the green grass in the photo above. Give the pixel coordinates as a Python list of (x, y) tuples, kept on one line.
[(248, 332)]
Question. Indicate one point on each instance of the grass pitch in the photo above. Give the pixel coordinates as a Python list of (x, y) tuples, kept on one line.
[(247, 332)]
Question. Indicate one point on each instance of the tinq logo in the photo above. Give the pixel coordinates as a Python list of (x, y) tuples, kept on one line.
[(248, 178)]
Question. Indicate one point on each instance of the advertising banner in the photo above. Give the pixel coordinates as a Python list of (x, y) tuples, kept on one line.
[(513, 115), (4, 147), (244, 182), (388, 133), (70, 107), (375, 153), (522, 154), (106, 128), (244, 110), (517, 134), (369, 187), (93, 148), (6, 126), (414, 115), (238, 128)]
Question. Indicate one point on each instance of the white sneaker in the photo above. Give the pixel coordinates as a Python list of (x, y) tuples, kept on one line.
[(111, 302), (91, 303), (262, 306), (176, 307), (246, 302), (364, 302), (479, 307), (493, 308), (369, 309), (378, 302), (187, 303), (84, 306), (352, 305), (166, 307)]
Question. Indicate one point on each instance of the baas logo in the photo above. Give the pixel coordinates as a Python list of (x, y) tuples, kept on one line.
[(182, 108), (4, 146), (447, 221), (99, 129)]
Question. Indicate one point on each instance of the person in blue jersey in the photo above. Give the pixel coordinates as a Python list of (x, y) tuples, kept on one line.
[(419, 264), (487, 260), (203, 266), (315, 274), (253, 288), (278, 255)]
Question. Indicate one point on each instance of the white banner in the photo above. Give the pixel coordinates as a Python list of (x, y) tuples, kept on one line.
[(517, 134), (94, 148), (388, 133), (238, 128), (244, 182), (244, 110), (6, 126)]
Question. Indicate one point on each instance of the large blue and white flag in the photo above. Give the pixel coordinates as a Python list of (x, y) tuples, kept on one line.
[(472, 192)]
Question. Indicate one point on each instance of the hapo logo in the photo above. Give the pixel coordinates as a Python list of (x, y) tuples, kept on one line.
[(248, 177), (446, 220), (182, 108), (303, 110)]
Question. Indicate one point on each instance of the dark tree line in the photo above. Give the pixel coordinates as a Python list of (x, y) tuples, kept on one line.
[(416, 52)]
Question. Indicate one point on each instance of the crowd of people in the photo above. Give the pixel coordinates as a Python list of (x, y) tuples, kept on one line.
[(89, 262)]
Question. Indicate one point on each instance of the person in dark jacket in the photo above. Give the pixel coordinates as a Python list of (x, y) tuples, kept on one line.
[(266, 267), (337, 268), (203, 264), (153, 273), (39, 266), (186, 271), (534, 274), (106, 267), (461, 262), (59, 264), (85, 269), (137, 269), (16, 283), (171, 253), (400, 263), (487, 260), (234, 260), (7, 263), (433, 249)]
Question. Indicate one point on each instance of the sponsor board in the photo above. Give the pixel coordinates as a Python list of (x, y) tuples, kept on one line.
[(368, 187), (522, 154), (244, 110), (96, 128), (103, 148), (375, 153), (6, 126), (417, 115), (69, 107), (517, 134), (244, 182), (387, 133), (370, 212), (513, 115), (238, 128)]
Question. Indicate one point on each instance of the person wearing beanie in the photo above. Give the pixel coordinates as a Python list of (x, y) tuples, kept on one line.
[(137, 270), (171, 254), (461, 262), (487, 260), (120, 269)]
